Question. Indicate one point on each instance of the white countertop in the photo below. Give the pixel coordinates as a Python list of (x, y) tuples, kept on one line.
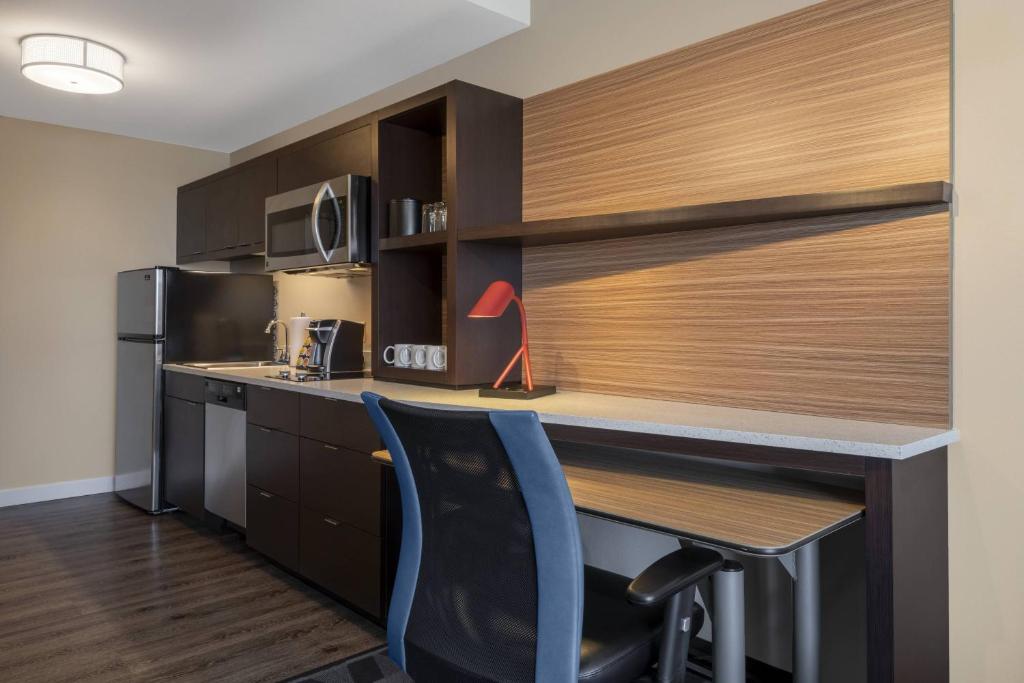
[(649, 416)]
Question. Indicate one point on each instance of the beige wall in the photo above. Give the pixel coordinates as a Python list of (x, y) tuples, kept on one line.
[(75, 208), (986, 470), (567, 40)]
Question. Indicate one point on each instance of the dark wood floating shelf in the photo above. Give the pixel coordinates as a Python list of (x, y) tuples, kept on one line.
[(424, 241), (415, 375), (703, 216)]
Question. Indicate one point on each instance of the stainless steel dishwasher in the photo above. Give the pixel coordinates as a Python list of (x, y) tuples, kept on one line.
[(224, 489)]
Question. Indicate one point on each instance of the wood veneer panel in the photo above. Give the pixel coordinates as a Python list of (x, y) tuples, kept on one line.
[(845, 317), (735, 508), (844, 95)]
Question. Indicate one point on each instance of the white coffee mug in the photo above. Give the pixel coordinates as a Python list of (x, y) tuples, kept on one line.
[(401, 355), (437, 357), (419, 356)]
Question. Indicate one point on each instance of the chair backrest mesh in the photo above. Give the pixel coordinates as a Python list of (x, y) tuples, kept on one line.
[(474, 612)]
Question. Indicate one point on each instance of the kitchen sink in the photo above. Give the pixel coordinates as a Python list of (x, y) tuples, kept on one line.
[(234, 365)]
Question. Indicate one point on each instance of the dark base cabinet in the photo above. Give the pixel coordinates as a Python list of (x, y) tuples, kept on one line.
[(342, 559), (272, 526), (184, 454), (184, 446), (392, 508), (315, 495)]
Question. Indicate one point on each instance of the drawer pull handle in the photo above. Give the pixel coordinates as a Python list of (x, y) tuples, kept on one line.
[(330, 447), (330, 521), (265, 494), (265, 389), (264, 429)]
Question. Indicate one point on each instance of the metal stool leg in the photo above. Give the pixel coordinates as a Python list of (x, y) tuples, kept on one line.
[(729, 648), (807, 616)]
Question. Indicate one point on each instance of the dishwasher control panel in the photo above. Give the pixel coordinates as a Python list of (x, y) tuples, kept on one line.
[(227, 394)]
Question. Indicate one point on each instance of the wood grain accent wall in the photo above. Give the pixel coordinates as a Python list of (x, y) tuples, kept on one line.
[(843, 95), (847, 317), (844, 317)]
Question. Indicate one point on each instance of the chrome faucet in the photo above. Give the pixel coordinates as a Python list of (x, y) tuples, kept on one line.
[(283, 356)]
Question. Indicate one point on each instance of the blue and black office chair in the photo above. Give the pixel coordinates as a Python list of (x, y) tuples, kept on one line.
[(491, 584)]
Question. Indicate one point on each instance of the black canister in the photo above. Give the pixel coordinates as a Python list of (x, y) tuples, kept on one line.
[(403, 217)]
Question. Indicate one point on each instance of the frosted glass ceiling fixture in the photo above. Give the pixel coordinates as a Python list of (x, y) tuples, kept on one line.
[(72, 64)]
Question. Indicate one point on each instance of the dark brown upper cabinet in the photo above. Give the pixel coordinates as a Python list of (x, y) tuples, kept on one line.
[(222, 216), (255, 183), (191, 223), (319, 159)]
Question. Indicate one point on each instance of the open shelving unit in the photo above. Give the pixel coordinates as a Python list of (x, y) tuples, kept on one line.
[(704, 216), (425, 284)]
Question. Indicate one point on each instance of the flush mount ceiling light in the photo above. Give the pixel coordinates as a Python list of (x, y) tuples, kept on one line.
[(72, 64)]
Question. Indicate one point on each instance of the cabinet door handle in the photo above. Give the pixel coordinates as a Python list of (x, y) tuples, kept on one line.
[(264, 429), (330, 447), (330, 521), (265, 494), (265, 389), (192, 403)]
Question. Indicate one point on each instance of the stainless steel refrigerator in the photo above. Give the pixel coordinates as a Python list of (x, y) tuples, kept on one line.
[(166, 315)]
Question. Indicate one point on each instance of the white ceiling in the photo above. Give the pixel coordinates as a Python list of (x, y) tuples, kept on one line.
[(221, 74)]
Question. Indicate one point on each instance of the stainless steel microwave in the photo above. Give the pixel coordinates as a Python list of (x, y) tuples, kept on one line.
[(321, 229)]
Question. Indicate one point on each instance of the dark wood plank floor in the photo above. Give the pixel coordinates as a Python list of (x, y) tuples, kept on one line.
[(92, 589)]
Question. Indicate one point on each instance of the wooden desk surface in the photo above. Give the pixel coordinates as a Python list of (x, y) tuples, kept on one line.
[(748, 511)]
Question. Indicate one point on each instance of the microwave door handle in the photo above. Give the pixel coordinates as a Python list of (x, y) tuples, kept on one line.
[(314, 223), (339, 223)]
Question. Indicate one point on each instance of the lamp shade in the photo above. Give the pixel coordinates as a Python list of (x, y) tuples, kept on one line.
[(494, 300), (72, 64)]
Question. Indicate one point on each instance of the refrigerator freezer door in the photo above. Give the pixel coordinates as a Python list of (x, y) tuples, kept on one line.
[(138, 431), (140, 303)]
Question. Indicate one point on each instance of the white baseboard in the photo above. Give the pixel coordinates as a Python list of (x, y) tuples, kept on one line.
[(60, 489)]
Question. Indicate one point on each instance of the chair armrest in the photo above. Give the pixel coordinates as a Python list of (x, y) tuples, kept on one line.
[(671, 574)]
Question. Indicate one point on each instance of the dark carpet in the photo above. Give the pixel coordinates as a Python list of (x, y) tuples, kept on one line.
[(369, 667)]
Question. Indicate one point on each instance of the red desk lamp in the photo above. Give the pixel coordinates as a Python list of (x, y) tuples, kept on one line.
[(492, 304)]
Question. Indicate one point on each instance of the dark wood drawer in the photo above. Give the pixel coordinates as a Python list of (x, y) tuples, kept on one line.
[(342, 484), (342, 423), (187, 387), (272, 461), (273, 408), (342, 559), (272, 526)]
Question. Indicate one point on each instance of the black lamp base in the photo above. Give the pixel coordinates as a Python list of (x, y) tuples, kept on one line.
[(518, 391)]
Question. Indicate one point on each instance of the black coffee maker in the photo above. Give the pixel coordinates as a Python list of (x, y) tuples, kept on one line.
[(337, 348)]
